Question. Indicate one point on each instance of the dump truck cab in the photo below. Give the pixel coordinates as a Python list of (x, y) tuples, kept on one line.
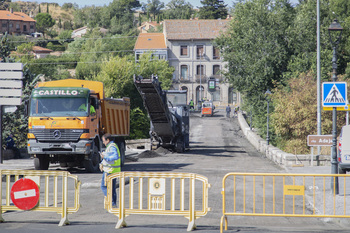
[(67, 119)]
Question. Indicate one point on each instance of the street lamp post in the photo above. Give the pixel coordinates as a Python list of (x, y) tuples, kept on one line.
[(200, 75), (268, 93), (335, 31)]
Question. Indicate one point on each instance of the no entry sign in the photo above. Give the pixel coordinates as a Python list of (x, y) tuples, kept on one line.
[(25, 194)]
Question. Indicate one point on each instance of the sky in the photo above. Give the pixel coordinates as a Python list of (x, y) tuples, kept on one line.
[(82, 3)]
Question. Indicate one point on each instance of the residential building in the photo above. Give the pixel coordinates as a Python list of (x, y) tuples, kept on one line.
[(154, 42), (40, 52), (78, 33), (16, 23), (148, 26), (192, 52)]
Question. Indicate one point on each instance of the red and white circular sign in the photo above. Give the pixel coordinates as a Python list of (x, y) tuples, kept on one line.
[(25, 194)]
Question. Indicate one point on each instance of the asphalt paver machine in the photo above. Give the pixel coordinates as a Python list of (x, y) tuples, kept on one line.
[(168, 112)]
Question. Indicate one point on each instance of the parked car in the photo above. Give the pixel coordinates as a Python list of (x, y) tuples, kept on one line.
[(344, 150)]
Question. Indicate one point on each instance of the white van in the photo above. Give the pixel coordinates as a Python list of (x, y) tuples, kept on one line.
[(344, 150)]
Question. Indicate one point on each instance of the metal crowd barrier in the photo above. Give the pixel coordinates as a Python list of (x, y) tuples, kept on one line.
[(284, 195), (154, 193), (53, 192)]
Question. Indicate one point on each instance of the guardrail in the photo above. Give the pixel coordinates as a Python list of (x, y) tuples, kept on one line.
[(155, 193), (284, 195), (53, 195)]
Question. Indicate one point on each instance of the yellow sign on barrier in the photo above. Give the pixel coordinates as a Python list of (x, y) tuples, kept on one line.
[(166, 194), (294, 190), (51, 199)]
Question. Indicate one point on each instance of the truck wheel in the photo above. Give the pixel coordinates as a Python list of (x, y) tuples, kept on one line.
[(41, 162), (92, 164)]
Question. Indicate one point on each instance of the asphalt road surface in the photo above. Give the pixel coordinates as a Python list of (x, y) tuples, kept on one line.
[(217, 147)]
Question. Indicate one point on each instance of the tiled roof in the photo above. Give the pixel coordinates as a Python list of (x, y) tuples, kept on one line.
[(194, 29), (150, 41), (7, 15), (24, 16), (38, 49)]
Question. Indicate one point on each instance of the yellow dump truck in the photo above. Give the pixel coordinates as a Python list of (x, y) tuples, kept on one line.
[(67, 119)]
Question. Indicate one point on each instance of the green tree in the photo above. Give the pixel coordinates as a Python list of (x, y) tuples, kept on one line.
[(17, 122), (299, 95), (117, 75), (256, 49), (4, 4), (44, 21), (139, 124), (66, 34), (153, 7), (178, 9), (213, 9)]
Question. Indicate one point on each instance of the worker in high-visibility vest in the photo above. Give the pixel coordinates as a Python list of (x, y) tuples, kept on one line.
[(191, 105), (110, 164)]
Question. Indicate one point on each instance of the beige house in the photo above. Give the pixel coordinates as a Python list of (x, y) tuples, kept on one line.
[(197, 62), (146, 26)]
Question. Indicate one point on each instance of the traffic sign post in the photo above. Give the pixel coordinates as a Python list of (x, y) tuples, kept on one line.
[(318, 140), (11, 76), (25, 194)]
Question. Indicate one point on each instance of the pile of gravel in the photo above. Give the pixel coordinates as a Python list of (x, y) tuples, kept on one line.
[(148, 154), (162, 150)]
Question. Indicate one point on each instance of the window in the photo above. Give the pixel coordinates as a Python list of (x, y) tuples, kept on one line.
[(184, 72), (200, 51), (184, 50), (216, 53), (216, 69), (200, 70), (24, 28), (17, 27), (11, 25), (4, 25), (31, 26)]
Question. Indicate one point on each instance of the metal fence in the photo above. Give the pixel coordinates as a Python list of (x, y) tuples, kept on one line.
[(54, 192), (284, 195), (155, 193)]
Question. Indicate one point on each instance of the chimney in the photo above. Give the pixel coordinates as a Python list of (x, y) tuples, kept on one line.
[(11, 10)]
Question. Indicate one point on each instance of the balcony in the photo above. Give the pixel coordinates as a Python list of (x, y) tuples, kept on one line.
[(201, 78), (218, 77), (187, 79)]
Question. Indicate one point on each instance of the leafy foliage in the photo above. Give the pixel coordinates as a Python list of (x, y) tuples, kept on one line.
[(43, 22), (117, 76), (178, 9), (139, 124), (153, 7), (213, 9), (298, 101), (17, 122)]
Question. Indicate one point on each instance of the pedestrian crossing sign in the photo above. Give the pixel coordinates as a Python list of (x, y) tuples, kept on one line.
[(334, 94)]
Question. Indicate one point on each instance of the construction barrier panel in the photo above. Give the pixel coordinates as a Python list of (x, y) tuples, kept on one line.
[(45, 191), (285, 195), (154, 193)]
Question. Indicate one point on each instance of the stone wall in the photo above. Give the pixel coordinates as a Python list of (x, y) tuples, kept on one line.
[(278, 156)]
